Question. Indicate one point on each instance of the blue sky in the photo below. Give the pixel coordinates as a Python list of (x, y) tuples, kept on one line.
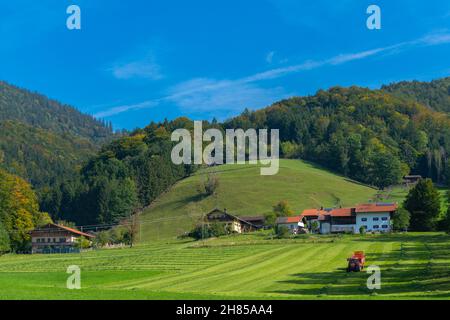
[(136, 61)]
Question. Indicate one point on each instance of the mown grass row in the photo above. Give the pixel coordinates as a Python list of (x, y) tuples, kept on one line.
[(414, 266)]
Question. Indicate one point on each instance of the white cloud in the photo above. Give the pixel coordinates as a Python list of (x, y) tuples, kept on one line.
[(124, 108), (146, 68), (437, 38), (269, 57), (208, 94)]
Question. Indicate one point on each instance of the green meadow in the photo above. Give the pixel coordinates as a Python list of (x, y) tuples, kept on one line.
[(247, 266), (244, 192), (252, 266)]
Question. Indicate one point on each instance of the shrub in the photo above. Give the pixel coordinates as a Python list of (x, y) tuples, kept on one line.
[(315, 226), (282, 231), (83, 243), (210, 185), (205, 231)]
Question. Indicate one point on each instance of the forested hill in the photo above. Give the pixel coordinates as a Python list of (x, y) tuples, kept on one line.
[(44, 141), (368, 135), (41, 112), (41, 156), (434, 94)]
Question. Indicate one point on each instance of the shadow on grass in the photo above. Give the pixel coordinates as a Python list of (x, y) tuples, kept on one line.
[(417, 269)]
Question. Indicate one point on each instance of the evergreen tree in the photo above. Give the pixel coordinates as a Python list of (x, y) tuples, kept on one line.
[(423, 203), (401, 219)]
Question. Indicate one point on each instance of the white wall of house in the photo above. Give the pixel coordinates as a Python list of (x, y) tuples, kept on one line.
[(376, 221), (236, 227), (325, 228), (343, 228)]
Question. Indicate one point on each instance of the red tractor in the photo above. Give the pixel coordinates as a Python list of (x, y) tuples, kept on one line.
[(356, 261)]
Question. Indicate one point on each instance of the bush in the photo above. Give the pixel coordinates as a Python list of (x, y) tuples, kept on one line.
[(83, 243), (282, 231), (362, 230), (102, 239), (205, 231), (315, 226), (210, 185)]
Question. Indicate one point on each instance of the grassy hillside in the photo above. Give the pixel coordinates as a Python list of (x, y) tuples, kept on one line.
[(413, 266), (243, 191)]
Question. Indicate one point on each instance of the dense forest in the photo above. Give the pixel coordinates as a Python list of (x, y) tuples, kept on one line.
[(41, 112), (369, 135), (41, 156), (126, 175), (434, 94), (44, 141)]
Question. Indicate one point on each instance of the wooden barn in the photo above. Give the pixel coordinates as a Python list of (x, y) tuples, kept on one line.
[(233, 222)]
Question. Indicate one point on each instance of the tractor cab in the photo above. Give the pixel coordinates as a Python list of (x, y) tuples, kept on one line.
[(356, 262)]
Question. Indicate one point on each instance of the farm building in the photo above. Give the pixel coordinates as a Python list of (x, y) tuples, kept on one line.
[(234, 223), (374, 217), (258, 221), (54, 238), (294, 224), (411, 180)]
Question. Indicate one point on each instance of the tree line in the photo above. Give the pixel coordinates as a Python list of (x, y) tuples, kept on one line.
[(367, 135)]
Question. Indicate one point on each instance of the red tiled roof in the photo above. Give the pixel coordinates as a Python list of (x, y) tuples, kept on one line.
[(312, 212), (348, 212), (337, 212), (376, 207), (295, 219), (341, 212)]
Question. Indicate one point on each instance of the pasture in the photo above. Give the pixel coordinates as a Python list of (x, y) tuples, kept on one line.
[(251, 266), (244, 192)]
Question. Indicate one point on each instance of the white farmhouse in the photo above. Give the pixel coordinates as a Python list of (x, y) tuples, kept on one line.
[(375, 217)]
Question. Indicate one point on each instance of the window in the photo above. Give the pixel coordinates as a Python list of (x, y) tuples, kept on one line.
[(62, 239), (376, 219), (363, 219), (38, 240), (385, 226), (376, 226), (384, 218)]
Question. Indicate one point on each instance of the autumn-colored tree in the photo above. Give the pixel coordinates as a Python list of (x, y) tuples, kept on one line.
[(19, 210)]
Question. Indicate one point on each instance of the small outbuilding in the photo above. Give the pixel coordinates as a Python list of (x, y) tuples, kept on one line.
[(233, 222)]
